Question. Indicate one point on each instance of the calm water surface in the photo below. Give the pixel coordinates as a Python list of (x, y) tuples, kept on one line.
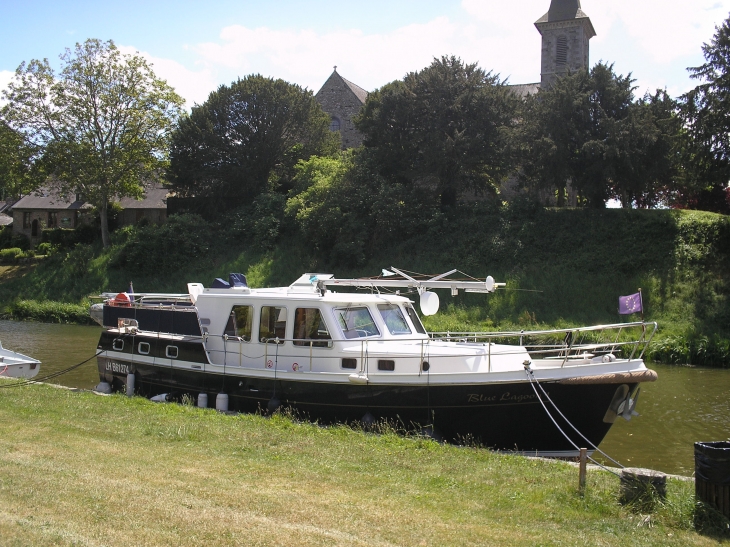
[(683, 406)]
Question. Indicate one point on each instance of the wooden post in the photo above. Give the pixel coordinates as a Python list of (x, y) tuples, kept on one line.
[(582, 471)]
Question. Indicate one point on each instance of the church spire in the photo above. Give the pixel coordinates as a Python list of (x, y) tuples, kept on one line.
[(562, 10), (565, 30)]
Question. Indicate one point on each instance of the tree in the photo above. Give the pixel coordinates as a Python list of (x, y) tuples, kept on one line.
[(446, 127), (102, 124), (16, 163), (555, 124), (706, 112), (247, 138), (587, 130)]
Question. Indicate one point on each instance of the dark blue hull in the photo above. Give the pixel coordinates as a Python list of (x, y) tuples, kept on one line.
[(505, 416)]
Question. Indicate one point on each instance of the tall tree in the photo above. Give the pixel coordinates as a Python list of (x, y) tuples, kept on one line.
[(447, 127), (102, 123), (17, 161), (587, 131), (706, 111), (555, 124), (247, 138)]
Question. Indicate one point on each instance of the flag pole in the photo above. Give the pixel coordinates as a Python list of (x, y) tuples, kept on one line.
[(641, 302)]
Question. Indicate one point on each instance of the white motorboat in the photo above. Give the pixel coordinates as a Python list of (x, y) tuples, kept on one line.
[(336, 356)]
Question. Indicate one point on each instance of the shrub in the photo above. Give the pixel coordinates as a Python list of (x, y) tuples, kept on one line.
[(166, 248), (9, 239), (50, 312), (65, 238), (10, 256), (45, 248)]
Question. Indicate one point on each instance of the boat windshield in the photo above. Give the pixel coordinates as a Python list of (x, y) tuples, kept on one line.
[(356, 322), (393, 319), (415, 319)]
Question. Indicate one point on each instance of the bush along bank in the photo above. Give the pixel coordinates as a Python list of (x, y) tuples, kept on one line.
[(49, 312), (562, 267)]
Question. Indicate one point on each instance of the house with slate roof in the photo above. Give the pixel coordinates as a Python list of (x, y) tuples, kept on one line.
[(46, 208)]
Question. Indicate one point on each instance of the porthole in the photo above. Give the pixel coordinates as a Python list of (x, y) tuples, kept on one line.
[(171, 352), (349, 363), (386, 364), (118, 344), (144, 348), (425, 366)]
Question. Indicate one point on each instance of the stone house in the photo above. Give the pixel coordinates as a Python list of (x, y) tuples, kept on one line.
[(48, 209)]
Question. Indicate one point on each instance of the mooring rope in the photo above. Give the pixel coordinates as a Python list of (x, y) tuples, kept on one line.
[(530, 378), (593, 446), (52, 375)]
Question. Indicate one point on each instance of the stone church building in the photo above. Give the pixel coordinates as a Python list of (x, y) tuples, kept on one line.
[(565, 30)]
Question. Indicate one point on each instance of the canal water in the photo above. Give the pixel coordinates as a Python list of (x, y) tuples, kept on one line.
[(685, 405)]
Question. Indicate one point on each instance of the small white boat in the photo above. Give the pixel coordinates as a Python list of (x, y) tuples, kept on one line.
[(17, 365)]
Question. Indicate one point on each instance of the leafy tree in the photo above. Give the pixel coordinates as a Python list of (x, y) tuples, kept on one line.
[(555, 126), (102, 123), (247, 138), (706, 111), (345, 210), (16, 163), (587, 130), (446, 127)]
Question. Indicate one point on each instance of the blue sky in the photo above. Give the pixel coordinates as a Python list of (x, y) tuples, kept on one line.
[(198, 46)]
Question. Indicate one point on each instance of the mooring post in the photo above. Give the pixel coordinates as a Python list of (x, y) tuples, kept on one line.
[(582, 471)]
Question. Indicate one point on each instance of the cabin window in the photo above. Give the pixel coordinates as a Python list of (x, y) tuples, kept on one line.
[(144, 348), (273, 324), (171, 352), (349, 362), (386, 364), (356, 322), (415, 319), (240, 322), (393, 319), (309, 325), (118, 344)]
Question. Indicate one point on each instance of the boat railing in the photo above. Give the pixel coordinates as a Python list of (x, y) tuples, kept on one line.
[(151, 299), (570, 346), (627, 340)]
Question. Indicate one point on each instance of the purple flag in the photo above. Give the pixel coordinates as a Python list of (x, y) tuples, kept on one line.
[(630, 304)]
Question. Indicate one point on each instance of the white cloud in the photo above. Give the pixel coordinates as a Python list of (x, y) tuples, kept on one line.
[(665, 31), (653, 39), (305, 57)]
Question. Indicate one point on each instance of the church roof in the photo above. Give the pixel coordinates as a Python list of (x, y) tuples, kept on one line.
[(358, 91), (523, 90)]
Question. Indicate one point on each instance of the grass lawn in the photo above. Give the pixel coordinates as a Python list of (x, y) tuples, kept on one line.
[(83, 469)]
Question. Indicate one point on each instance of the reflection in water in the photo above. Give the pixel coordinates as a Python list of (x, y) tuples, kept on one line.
[(683, 406)]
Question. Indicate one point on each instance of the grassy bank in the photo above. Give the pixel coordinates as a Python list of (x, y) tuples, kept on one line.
[(562, 268), (81, 469)]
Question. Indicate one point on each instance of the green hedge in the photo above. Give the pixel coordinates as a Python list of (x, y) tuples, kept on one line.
[(50, 312)]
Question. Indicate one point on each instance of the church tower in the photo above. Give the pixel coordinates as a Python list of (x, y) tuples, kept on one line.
[(565, 31)]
